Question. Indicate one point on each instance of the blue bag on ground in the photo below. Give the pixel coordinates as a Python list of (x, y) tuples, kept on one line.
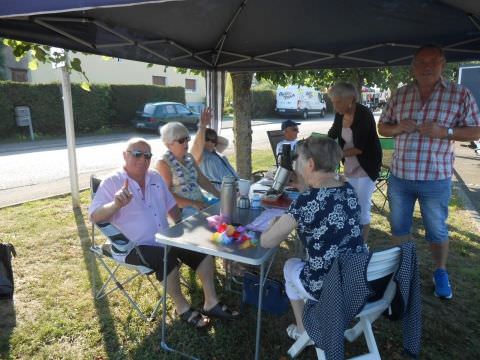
[(275, 300)]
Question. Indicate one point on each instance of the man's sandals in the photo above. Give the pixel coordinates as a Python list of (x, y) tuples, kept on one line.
[(195, 318), (221, 311), (200, 320)]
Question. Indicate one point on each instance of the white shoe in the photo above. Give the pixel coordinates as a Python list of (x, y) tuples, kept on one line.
[(292, 332)]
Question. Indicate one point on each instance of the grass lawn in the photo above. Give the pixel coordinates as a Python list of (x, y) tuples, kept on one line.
[(55, 315)]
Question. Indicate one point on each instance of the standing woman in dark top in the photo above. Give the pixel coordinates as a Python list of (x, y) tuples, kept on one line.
[(355, 130)]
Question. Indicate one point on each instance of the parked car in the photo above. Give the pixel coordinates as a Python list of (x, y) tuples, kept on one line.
[(154, 115)]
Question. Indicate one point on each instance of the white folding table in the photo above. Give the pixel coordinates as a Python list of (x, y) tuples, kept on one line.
[(193, 233)]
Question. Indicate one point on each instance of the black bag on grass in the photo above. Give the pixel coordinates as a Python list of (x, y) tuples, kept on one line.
[(6, 272)]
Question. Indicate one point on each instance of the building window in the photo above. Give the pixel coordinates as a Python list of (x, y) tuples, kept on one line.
[(159, 80), (190, 85), (19, 75)]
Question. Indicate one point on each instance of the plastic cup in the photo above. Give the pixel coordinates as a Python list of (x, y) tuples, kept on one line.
[(243, 187)]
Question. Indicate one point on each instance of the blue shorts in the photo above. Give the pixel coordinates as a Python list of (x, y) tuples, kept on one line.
[(433, 197)]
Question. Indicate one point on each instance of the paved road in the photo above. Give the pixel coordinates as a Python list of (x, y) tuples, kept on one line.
[(467, 171), (33, 170)]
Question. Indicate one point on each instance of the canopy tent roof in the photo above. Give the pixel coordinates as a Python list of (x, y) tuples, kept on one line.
[(252, 35)]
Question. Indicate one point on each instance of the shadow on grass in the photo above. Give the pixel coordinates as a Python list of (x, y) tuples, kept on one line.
[(7, 324), (182, 336), (107, 326), (225, 339)]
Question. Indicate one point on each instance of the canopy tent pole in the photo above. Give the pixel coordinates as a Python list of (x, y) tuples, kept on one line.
[(215, 81), (70, 133)]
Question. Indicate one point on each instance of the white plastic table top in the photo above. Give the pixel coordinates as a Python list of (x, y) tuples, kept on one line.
[(193, 233)]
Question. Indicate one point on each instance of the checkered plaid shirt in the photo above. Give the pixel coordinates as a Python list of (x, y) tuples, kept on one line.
[(418, 157)]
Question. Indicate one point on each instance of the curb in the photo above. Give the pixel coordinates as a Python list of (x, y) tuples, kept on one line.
[(42, 198), (467, 203)]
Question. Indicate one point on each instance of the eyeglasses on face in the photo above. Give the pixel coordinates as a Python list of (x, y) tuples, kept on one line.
[(138, 154), (213, 140), (182, 140)]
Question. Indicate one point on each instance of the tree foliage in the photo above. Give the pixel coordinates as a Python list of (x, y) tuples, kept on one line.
[(46, 54), (383, 77)]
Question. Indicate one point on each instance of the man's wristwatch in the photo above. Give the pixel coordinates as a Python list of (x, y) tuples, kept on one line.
[(449, 133)]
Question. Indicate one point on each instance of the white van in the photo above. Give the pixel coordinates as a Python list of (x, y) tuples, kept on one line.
[(299, 100)]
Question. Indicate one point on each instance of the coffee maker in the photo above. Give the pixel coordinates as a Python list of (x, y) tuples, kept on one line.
[(284, 169)]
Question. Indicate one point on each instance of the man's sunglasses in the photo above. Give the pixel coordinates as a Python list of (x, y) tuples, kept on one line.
[(138, 154), (182, 140), (213, 140)]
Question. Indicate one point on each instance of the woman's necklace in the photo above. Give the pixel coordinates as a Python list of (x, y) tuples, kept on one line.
[(185, 187)]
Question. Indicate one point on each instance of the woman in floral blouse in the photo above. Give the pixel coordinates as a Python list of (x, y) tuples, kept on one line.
[(179, 170), (327, 218)]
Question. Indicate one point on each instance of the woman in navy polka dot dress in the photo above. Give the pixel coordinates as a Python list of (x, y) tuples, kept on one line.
[(326, 216)]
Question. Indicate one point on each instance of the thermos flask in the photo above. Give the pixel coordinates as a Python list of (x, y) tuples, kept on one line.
[(227, 197)]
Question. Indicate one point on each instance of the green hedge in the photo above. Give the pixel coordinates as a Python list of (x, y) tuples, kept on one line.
[(91, 110), (103, 106), (127, 99), (263, 103)]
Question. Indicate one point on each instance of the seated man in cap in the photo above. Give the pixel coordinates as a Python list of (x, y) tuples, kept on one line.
[(290, 132)]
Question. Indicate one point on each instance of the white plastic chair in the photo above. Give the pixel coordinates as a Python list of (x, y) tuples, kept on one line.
[(382, 264), (103, 253)]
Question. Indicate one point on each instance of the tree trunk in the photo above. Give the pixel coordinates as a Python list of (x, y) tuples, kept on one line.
[(242, 122)]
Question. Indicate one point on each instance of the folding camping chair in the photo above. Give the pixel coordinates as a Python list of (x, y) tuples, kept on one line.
[(104, 253), (382, 264), (387, 144), (274, 137)]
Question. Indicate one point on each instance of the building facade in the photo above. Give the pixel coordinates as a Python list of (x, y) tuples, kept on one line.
[(101, 70)]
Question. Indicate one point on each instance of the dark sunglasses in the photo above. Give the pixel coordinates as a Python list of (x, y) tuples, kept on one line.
[(182, 140), (138, 154), (213, 140)]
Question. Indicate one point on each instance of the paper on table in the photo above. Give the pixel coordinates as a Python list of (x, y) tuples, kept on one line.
[(261, 221)]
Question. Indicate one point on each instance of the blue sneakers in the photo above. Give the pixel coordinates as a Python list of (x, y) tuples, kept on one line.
[(442, 284)]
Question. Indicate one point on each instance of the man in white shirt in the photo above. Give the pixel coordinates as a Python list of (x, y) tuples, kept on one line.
[(290, 133), (137, 201)]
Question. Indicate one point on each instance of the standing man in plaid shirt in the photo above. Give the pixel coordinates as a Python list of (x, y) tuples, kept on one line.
[(425, 117)]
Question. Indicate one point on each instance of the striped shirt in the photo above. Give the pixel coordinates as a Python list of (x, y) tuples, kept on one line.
[(418, 157)]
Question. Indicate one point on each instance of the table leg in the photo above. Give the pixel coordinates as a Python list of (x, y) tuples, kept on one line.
[(163, 342), (259, 311), (164, 301)]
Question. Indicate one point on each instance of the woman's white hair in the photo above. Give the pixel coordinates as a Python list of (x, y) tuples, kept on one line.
[(343, 90), (173, 131), (324, 151)]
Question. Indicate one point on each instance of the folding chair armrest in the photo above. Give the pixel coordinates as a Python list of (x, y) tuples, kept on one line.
[(121, 245)]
